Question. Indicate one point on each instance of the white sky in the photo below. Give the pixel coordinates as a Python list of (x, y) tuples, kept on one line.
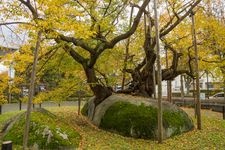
[(3, 68), (10, 39)]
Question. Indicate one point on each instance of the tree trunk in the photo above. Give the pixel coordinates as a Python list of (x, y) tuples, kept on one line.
[(31, 93), (100, 91), (188, 83), (142, 83), (143, 75)]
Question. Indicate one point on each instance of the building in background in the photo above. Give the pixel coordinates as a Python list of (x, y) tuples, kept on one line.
[(3, 61), (207, 84)]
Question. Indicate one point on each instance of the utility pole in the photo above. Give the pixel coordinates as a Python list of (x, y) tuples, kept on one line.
[(10, 84), (198, 103), (31, 92), (207, 78), (159, 74), (169, 86), (224, 102), (182, 88), (127, 52)]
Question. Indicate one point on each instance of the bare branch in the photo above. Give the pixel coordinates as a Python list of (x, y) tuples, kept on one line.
[(106, 9), (13, 23)]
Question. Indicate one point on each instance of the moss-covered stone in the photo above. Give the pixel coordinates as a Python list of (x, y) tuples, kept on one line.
[(140, 121), (46, 132), (176, 122), (131, 120)]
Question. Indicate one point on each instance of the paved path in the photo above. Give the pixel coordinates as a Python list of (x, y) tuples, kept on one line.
[(15, 106)]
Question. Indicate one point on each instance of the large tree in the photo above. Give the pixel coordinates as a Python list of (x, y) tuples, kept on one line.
[(142, 74), (85, 29)]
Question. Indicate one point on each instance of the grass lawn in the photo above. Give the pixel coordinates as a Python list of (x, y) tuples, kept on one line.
[(212, 136), (6, 116)]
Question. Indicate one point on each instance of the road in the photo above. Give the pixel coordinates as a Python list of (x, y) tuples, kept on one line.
[(15, 106), (214, 104)]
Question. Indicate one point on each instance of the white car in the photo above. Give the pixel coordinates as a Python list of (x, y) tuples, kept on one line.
[(219, 95)]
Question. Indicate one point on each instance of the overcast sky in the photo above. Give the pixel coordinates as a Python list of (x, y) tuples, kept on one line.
[(8, 38)]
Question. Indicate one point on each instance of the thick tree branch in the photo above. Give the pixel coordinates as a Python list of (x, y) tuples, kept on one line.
[(73, 53), (104, 76), (172, 72), (133, 28), (165, 30), (31, 8), (169, 74), (51, 53), (77, 42)]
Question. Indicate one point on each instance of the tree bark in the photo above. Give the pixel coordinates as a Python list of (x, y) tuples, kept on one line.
[(100, 91), (142, 83), (142, 76)]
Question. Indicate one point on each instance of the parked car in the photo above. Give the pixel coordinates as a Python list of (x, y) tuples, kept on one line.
[(118, 88), (219, 95)]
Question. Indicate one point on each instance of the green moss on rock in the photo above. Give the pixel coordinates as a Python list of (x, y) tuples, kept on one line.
[(62, 136), (176, 120), (140, 121)]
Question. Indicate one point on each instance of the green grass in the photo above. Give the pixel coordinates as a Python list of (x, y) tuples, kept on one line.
[(6, 116)]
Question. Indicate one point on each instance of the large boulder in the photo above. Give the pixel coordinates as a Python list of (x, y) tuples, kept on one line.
[(137, 116)]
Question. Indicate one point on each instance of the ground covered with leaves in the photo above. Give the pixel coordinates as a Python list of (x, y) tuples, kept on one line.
[(211, 137)]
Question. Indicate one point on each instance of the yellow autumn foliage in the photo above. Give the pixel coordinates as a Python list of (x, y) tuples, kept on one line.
[(3, 87)]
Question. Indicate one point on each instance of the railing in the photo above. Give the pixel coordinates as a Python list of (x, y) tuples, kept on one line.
[(214, 104)]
